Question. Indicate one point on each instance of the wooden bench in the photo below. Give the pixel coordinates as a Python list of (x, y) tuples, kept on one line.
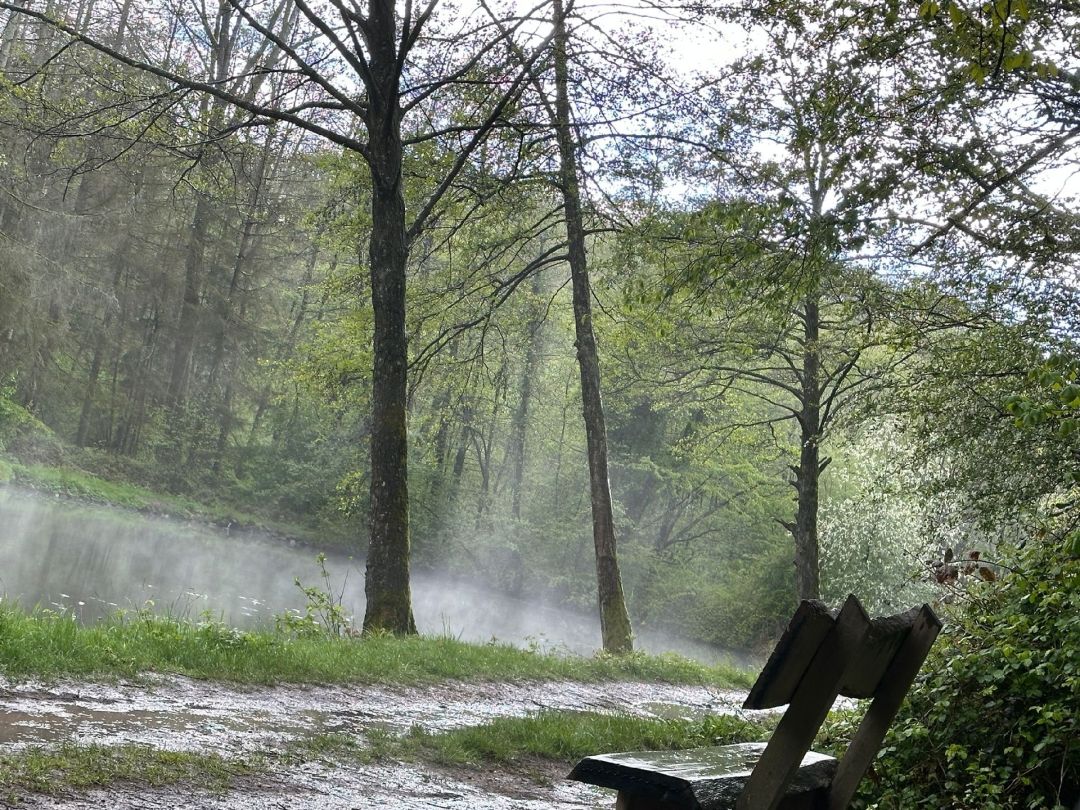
[(822, 654)]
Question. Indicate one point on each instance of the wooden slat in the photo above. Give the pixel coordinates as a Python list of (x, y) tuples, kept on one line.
[(810, 704), (875, 654), (890, 694), (791, 657), (695, 779)]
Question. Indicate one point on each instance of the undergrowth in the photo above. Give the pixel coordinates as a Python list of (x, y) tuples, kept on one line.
[(79, 485), (993, 721)]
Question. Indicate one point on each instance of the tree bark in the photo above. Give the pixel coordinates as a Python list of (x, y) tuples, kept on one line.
[(614, 619), (809, 469), (82, 435), (520, 421), (389, 597), (187, 326)]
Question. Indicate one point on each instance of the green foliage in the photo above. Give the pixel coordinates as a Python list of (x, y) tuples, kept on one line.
[(1049, 416), (323, 615), (75, 483), (967, 447), (24, 435), (993, 720), (877, 529), (749, 605), (47, 644), (988, 38), (1056, 403)]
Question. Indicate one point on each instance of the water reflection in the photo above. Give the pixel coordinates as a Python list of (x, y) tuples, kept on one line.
[(93, 560)]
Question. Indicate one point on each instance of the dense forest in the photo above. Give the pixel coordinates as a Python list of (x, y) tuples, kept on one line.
[(813, 289)]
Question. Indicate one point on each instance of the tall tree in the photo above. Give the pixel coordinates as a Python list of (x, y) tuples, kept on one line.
[(614, 620), (328, 53), (796, 312)]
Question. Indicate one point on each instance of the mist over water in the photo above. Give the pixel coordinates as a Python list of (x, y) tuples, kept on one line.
[(94, 560)]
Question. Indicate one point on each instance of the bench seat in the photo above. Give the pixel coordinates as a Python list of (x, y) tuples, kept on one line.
[(699, 778)]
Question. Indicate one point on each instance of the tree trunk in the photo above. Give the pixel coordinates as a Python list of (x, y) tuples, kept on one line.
[(389, 599), (11, 34), (213, 113), (184, 343), (809, 469), (485, 451), (82, 436), (614, 619), (287, 349), (520, 421)]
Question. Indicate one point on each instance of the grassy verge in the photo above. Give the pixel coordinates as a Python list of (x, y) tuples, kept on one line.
[(553, 735), (54, 769), (49, 645)]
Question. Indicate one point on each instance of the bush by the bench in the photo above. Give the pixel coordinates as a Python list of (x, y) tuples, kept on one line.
[(994, 720)]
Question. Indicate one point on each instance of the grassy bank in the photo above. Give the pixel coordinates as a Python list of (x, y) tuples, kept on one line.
[(65, 767), (79, 485), (44, 644)]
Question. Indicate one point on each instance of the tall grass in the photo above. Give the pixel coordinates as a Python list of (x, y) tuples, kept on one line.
[(47, 644)]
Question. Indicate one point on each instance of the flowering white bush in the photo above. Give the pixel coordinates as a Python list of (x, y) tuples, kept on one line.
[(878, 534)]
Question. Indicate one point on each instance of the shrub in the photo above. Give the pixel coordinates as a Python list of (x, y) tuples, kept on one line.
[(994, 720), (24, 436)]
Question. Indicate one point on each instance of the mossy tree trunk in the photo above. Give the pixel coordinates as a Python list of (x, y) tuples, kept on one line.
[(389, 598), (614, 619)]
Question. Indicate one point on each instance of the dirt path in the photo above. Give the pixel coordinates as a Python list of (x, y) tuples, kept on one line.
[(181, 714)]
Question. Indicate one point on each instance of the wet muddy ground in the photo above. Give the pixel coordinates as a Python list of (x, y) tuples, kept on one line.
[(181, 714)]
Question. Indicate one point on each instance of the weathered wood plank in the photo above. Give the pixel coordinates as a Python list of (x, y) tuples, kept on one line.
[(809, 706), (875, 654), (889, 695), (791, 657), (694, 779)]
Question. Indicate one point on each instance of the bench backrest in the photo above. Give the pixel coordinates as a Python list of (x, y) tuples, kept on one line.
[(821, 655)]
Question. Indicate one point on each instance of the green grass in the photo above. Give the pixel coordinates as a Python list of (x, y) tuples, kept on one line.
[(75, 483), (45, 644), (560, 736), (56, 768)]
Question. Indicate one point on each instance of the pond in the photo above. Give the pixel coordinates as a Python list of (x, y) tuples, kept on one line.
[(93, 560)]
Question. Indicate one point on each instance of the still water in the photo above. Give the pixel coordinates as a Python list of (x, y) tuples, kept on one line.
[(94, 560)]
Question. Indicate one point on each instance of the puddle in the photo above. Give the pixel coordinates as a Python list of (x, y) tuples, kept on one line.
[(175, 713)]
